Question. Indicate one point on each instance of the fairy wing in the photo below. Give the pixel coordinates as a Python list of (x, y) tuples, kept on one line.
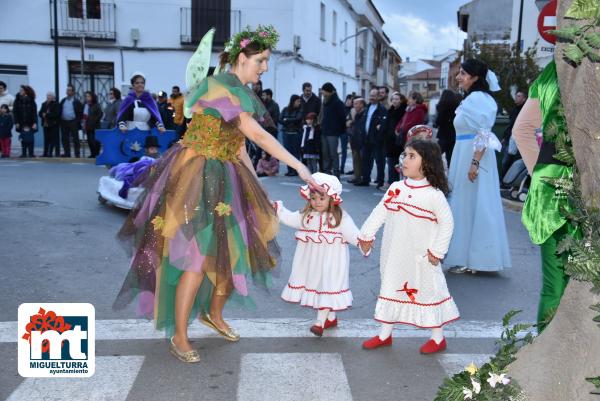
[(197, 67)]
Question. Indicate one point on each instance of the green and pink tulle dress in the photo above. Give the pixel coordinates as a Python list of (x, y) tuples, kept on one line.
[(202, 210)]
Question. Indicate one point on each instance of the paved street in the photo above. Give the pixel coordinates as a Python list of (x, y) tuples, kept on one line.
[(58, 245)]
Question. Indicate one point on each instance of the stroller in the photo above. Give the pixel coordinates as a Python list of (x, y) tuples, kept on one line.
[(515, 182)]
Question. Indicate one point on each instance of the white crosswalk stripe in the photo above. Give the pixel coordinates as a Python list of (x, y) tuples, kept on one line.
[(293, 377), (138, 329), (112, 381)]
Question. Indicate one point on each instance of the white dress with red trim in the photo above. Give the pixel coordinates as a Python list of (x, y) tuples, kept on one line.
[(320, 269), (417, 221)]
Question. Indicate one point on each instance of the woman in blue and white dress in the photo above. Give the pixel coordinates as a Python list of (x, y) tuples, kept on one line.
[(479, 242)]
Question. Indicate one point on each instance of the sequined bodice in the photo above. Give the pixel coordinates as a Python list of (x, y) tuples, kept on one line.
[(213, 138)]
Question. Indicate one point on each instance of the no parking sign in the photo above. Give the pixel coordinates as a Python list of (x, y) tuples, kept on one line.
[(547, 21)]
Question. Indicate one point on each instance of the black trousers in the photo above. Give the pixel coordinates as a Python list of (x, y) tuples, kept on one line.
[(52, 141), (70, 131), (26, 149), (373, 152), (93, 143)]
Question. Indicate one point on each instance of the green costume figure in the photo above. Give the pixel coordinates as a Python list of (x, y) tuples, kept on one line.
[(542, 210)]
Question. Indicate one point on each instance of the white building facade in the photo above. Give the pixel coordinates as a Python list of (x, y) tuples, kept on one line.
[(158, 38)]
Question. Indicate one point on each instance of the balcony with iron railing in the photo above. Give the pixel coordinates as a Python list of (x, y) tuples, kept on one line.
[(91, 19), (195, 22)]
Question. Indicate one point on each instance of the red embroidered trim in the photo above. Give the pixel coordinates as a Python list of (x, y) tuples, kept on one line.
[(416, 325), (399, 207), (318, 292), (433, 256), (415, 187), (366, 241), (320, 308), (415, 303), (321, 238)]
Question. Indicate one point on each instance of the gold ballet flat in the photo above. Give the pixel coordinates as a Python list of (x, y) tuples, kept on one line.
[(229, 334), (187, 357)]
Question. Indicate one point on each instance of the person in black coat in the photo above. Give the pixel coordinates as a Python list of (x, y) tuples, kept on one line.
[(333, 125), (166, 110), (92, 115), (310, 102), (357, 137), (373, 148), (291, 120), (71, 113), (50, 117), (25, 113), (390, 143), (444, 122)]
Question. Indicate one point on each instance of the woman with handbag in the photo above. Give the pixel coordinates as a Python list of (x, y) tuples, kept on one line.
[(25, 112)]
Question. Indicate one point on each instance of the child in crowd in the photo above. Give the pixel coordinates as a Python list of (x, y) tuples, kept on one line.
[(418, 227), (6, 125), (310, 142), (319, 277), (267, 165)]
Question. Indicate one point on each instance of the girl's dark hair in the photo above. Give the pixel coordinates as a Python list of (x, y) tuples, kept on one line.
[(136, 76), (479, 69), (449, 100), (4, 107), (332, 210), (116, 93), (93, 96), (28, 91), (251, 49), (431, 164), (293, 98)]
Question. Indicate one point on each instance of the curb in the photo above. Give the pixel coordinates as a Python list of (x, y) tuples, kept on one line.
[(51, 159)]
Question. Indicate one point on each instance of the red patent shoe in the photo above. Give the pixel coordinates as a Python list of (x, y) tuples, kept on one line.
[(431, 347), (376, 342), (330, 323), (316, 330)]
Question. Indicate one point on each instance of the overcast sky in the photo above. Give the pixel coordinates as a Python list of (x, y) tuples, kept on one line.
[(421, 28)]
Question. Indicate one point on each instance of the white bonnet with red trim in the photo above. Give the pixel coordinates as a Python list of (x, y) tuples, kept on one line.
[(330, 183)]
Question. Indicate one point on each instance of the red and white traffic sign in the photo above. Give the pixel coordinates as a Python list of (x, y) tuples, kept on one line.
[(547, 21)]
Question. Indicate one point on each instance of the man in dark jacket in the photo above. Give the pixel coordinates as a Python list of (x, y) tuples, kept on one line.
[(333, 125), (310, 102), (50, 115), (358, 137), (166, 110), (71, 113), (375, 125), (273, 109)]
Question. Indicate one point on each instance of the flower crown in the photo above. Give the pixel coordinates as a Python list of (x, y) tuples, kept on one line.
[(265, 36)]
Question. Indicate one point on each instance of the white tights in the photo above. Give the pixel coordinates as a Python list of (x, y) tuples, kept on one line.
[(323, 314)]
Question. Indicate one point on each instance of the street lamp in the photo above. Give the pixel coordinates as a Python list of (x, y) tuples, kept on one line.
[(361, 30)]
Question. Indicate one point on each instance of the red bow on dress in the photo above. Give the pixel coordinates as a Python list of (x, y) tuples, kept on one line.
[(392, 194), (409, 291)]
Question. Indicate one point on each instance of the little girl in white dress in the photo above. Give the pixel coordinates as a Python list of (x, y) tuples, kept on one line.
[(319, 277), (418, 227)]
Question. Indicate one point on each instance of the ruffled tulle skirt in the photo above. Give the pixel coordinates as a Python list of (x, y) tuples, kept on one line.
[(201, 215)]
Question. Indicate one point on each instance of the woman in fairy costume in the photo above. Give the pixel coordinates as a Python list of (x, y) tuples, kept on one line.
[(205, 223)]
